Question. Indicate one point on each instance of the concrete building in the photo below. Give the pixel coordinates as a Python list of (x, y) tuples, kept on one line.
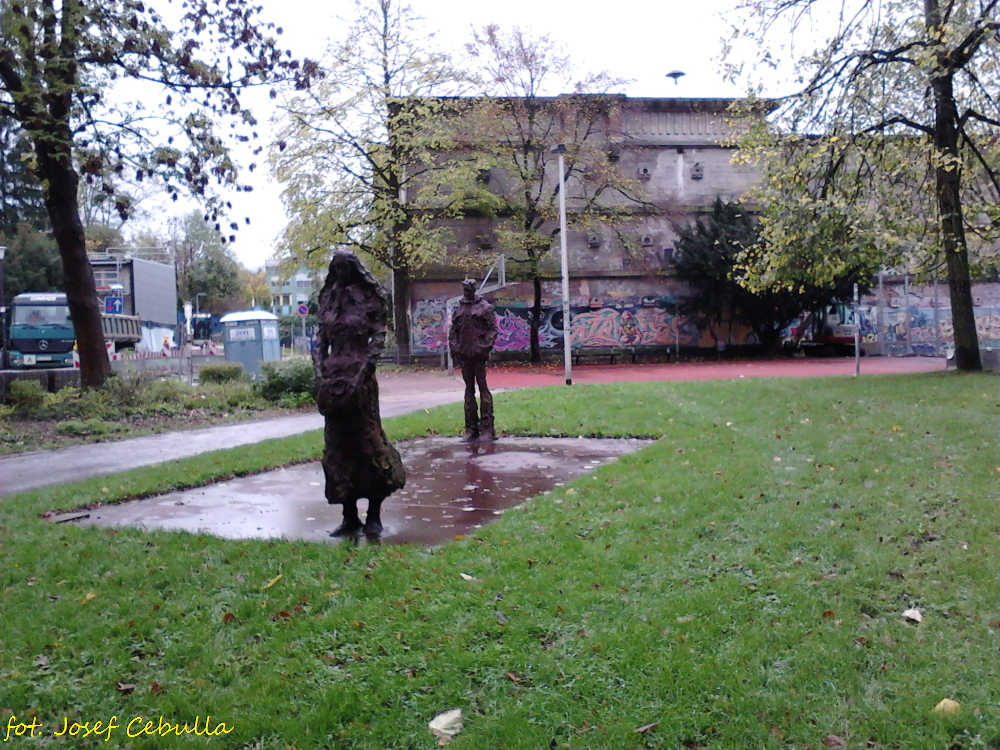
[(287, 293), (674, 158)]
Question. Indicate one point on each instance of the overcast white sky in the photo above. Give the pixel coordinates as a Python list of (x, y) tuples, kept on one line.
[(641, 42)]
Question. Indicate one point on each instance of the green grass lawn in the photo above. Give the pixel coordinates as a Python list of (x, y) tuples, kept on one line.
[(740, 584)]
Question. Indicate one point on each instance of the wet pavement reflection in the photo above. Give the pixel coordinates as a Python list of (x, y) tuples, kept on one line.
[(452, 488)]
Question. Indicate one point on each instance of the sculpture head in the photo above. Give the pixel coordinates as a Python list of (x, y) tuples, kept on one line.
[(469, 288), (346, 269), (343, 267)]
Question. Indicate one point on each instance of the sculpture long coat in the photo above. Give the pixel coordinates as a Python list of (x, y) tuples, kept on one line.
[(358, 459)]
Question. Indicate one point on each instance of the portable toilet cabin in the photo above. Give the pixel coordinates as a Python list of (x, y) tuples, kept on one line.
[(251, 337)]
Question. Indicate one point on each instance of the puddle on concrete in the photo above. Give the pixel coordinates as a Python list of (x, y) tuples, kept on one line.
[(452, 488)]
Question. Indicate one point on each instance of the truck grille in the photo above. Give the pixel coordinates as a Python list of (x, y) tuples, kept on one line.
[(42, 346)]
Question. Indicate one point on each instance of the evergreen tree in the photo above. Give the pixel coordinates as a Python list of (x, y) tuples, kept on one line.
[(708, 261)]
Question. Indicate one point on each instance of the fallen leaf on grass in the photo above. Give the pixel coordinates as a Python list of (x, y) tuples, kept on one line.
[(155, 688), (88, 597), (647, 727), (947, 706), (466, 577), (228, 617), (126, 688), (446, 725), (832, 740), (828, 615), (913, 615), (273, 581), (512, 677)]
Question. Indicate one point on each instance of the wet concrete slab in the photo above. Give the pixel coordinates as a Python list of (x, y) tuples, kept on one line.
[(452, 488)]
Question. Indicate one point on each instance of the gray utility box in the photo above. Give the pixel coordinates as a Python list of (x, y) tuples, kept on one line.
[(251, 337)]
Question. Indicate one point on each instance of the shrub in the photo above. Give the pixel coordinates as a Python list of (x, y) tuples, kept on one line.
[(87, 428), (25, 396), (222, 372), (128, 391), (162, 409), (296, 400), (169, 390), (29, 401), (294, 376), (225, 397)]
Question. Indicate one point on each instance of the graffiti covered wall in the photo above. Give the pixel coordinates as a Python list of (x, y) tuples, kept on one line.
[(636, 312), (905, 319), (604, 312)]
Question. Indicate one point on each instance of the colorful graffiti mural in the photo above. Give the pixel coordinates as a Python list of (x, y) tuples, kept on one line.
[(627, 326), (625, 323), (912, 323), (514, 330), (428, 329)]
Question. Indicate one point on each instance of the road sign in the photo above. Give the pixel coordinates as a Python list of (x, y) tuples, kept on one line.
[(303, 310), (114, 305)]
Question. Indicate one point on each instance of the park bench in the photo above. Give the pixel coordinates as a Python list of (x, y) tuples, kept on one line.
[(599, 352)]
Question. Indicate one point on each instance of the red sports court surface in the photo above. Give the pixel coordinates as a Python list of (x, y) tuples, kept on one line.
[(552, 374)]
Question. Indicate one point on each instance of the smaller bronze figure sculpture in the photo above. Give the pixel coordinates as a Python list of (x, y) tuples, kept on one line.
[(358, 459), (473, 331)]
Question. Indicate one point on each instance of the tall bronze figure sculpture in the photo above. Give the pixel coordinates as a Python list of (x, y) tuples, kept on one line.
[(473, 331), (358, 459)]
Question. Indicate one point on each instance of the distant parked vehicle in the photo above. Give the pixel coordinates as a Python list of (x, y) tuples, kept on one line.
[(41, 331), (829, 332)]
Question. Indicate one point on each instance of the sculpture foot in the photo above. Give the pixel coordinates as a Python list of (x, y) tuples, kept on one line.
[(350, 527), (487, 436), (373, 527), (471, 436)]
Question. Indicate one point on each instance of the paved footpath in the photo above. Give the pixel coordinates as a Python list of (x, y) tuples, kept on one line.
[(398, 395), (401, 393)]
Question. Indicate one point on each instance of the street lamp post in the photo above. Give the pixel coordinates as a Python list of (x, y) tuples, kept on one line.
[(3, 305), (560, 151)]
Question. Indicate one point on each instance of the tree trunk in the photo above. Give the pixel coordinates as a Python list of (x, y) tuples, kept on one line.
[(401, 313), (947, 190), (535, 319), (81, 292)]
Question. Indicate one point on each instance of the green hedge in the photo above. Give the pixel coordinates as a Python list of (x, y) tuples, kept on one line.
[(290, 378)]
